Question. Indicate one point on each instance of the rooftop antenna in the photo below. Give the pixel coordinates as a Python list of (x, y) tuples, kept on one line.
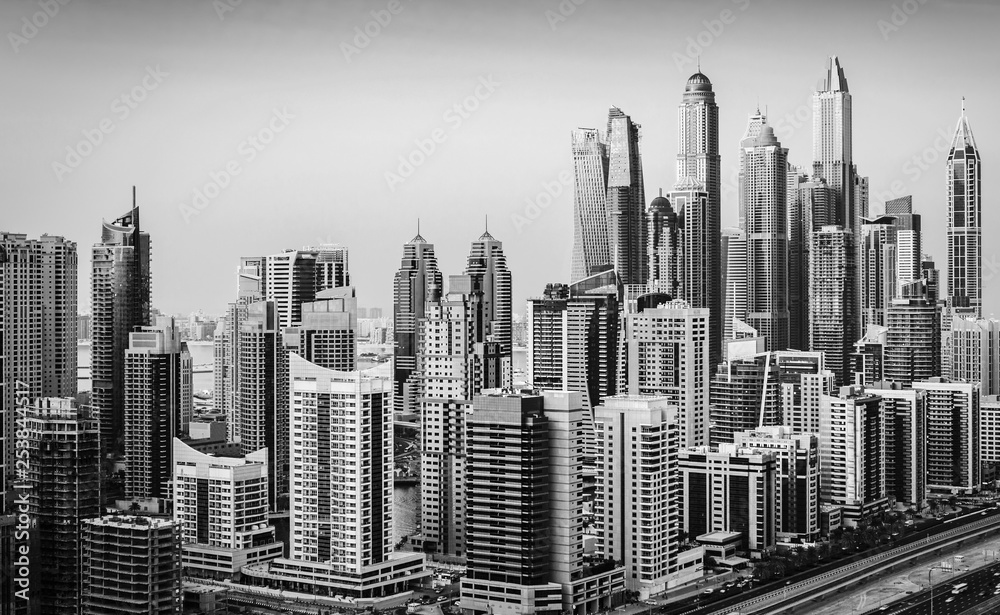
[(418, 226), (133, 187), (487, 216), (963, 105), (699, 62)]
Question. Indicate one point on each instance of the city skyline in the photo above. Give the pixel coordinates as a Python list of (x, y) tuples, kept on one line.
[(282, 185)]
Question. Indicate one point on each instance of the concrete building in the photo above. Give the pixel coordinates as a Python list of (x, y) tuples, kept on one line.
[(868, 358), (417, 282), (455, 365), (763, 165), (734, 282), (38, 305), (635, 506), (730, 489), (951, 437), (525, 510), (744, 394), (796, 479), (666, 247), (64, 477), (803, 379), (120, 301), (852, 453), (975, 353), (591, 239), (158, 406), (220, 504), (989, 437), (832, 304), (626, 199), (965, 211), (131, 566), (341, 489), (905, 444), (668, 355), (879, 254), (327, 334), (913, 342)]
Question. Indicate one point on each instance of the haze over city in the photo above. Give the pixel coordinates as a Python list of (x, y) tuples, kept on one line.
[(343, 111)]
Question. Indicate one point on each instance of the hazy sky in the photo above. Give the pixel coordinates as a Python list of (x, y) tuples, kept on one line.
[(313, 115)]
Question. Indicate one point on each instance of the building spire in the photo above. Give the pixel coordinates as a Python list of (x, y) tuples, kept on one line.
[(963, 106)]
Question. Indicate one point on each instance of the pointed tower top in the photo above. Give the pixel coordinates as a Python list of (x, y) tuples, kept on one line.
[(835, 79), (963, 138), (418, 238)]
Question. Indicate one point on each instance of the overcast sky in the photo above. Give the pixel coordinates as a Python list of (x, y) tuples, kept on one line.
[(313, 117)]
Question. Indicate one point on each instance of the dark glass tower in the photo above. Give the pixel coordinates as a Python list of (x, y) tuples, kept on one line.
[(965, 229), (417, 282), (626, 202)]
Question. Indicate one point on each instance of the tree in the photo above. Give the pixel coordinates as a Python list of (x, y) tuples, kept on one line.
[(135, 507)]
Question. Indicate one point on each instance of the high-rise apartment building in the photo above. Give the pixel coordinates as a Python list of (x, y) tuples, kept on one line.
[(525, 509), (417, 282), (832, 143), (909, 244), (868, 358), (799, 229), (293, 277), (734, 282), (120, 301), (913, 342), (965, 225), (698, 194), (803, 380), (591, 239), (261, 403), (832, 309), (626, 201), (158, 406), (975, 353), (38, 297), (454, 365), (796, 478), (488, 272), (951, 436), (341, 488), (327, 333), (744, 395), (905, 416), (730, 489), (852, 453), (635, 506), (763, 167), (666, 247), (220, 504), (131, 566), (668, 356), (879, 252), (64, 473)]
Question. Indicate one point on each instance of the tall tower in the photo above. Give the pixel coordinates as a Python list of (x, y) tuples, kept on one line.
[(37, 327), (666, 247), (698, 158), (832, 148), (734, 281), (120, 298), (591, 243), (487, 268), (64, 472), (832, 323), (417, 282), (763, 168), (965, 288), (626, 202), (158, 406)]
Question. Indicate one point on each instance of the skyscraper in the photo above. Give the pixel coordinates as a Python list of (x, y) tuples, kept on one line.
[(488, 272), (905, 425), (327, 333), (262, 394), (666, 247), (831, 307), (158, 406), (454, 366), (64, 472), (626, 202), (635, 507), (965, 288), (909, 243), (668, 357), (799, 227), (131, 566), (38, 296), (525, 509), (417, 282), (341, 488), (852, 452), (975, 353), (591, 241), (913, 342), (734, 281), (120, 301), (223, 531), (698, 158), (293, 277), (745, 395), (951, 443), (879, 272), (763, 165), (832, 143)]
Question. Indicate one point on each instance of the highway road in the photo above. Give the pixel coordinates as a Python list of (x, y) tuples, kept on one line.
[(982, 585)]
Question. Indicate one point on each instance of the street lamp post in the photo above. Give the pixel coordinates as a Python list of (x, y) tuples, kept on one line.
[(929, 571)]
